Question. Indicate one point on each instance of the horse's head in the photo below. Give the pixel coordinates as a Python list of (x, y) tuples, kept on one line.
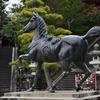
[(37, 23), (32, 24)]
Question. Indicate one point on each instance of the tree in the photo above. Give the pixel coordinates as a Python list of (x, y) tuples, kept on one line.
[(77, 16), (11, 28), (3, 14), (71, 11)]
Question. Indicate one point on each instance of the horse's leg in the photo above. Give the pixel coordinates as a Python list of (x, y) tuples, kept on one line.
[(86, 71), (66, 71), (39, 65)]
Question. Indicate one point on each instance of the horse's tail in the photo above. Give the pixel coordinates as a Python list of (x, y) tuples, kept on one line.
[(93, 32)]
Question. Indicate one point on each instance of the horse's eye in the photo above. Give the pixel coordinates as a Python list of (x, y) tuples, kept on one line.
[(32, 19)]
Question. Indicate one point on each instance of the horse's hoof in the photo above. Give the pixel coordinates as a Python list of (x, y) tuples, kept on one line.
[(78, 88), (30, 89), (52, 90)]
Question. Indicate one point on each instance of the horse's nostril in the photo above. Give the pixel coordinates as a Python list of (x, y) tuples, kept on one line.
[(23, 29)]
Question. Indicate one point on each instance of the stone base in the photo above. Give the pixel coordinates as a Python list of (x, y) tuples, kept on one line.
[(58, 95)]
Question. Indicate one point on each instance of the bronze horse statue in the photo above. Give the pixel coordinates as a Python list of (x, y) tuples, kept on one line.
[(71, 48)]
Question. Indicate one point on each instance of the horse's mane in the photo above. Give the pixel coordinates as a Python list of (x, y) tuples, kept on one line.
[(41, 26)]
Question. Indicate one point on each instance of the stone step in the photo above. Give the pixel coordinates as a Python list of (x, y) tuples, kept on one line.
[(94, 97), (45, 95), (38, 98), (56, 94)]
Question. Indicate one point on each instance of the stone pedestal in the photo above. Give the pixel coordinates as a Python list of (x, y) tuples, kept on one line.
[(58, 95)]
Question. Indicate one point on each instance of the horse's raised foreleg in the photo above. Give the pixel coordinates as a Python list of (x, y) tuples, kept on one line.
[(38, 71), (25, 57), (85, 70), (66, 71)]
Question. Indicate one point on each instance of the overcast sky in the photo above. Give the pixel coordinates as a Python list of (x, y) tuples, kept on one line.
[(12, 2)]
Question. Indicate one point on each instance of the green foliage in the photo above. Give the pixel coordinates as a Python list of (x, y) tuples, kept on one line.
[(72, 17), (47, 9), (25, 38), (24, 48), (3, 14), (40, 10), (55, 64), (33, 3), (72, 8), (77, 16), (60, 36), (52, 17), (90, 18), (60, 31), (15, 64), (9, 30), (51, 29), (26, 13)]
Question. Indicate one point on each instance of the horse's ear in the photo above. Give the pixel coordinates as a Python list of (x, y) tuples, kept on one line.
[(35, 13)]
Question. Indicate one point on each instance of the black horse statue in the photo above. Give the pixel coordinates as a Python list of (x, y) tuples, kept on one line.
[(71, 48)]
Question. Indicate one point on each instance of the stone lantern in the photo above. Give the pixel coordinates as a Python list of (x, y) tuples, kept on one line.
[(96, 63), (95, 57), (33, 65), (31, 76)]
